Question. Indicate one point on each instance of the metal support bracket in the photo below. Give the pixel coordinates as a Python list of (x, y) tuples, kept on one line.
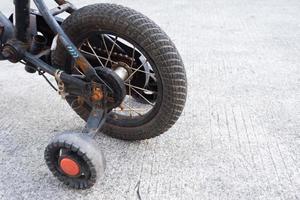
[(95, 121)]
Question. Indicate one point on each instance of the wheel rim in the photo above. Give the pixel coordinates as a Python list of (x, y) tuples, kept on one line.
[(54, 155), (143, 97)]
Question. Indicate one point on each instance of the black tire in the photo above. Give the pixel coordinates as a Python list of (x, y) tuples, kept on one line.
[(158, 46), (82, 148)]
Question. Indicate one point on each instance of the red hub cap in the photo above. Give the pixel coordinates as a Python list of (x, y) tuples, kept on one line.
[(69, 167)]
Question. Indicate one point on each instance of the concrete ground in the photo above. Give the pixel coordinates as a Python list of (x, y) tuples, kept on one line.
[(238, 138)]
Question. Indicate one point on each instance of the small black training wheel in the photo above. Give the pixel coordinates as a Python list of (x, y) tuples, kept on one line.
[(75, 159)]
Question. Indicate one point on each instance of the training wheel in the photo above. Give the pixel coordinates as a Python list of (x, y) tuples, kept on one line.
[(75, 159)]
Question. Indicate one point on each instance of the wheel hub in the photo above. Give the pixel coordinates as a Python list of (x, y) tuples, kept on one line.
[(69, 166), (122, 70), (113, 80)]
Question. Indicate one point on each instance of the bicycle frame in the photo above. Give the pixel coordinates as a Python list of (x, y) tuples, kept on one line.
[(17, 44), (18, 37)]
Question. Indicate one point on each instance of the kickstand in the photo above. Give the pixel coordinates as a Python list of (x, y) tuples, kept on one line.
[(95, 121)]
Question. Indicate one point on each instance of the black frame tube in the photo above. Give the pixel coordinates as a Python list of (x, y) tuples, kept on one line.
[(7, 31), (22, 32), (22, 16), (38, 63), (66, 78), (8, 28), (60, 2), (80, 60)]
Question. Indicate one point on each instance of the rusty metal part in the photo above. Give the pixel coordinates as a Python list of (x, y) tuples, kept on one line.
[(1, 30), (60, 2), (67, 7), (37, 45), (60, 84), (14, 50), (114, 98), (83, 64), (97, 94), (64, 6), (80, 100)]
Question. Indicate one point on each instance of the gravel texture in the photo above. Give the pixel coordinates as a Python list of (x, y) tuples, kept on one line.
[(238, 137)]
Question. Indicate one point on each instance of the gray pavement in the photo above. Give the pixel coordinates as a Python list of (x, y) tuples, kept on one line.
[(239, 136)]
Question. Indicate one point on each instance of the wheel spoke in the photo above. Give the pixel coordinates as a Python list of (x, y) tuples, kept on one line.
[(139, 88), (112, 49), (136, 70), (143, 97), (132, 109), (130, 93), (117, 46), (103, 39), (126, 110), (88, 53), (95, 53), (81, 74)]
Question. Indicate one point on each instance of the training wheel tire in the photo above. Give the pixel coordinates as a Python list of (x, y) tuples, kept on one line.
[(75, 159)]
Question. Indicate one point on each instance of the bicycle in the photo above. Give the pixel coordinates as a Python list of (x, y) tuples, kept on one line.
[(114, 66)]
